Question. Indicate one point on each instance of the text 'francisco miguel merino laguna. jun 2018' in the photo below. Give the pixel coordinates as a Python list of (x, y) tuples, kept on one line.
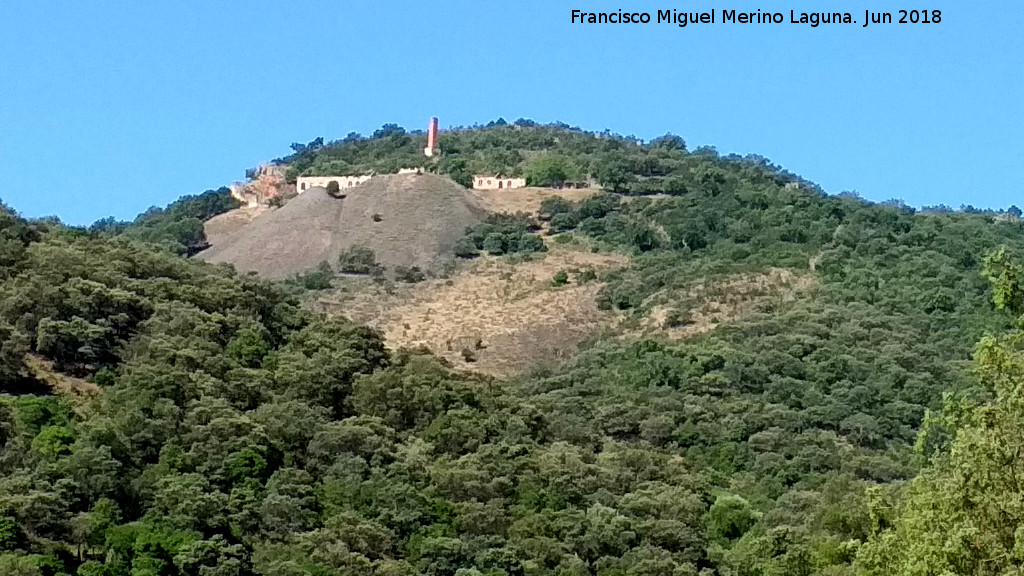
[(727, 16)]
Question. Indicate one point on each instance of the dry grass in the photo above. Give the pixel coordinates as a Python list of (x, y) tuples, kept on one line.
[(527, 199), (82, 395), (704, 305), (508, 315)]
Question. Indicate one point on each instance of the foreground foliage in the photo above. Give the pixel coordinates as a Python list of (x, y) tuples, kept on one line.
[(964, 513)]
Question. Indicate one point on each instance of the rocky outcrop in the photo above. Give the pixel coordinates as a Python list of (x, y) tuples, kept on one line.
[(264, 183)]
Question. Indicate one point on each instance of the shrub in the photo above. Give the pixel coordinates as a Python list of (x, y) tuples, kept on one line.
[(494, 243), (318, 279), (468, 355), (563, 222), (465, 248), (409, 274), (561, 278), (588, 275), (551, 207), (676, 318), (530, 243), (357, 260), (333, 189)]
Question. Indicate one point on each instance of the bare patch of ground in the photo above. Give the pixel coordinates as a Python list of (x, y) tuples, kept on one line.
[(527, 199), (705, 304), (507, 315), (80, 393), (406, 219), (222, 226)]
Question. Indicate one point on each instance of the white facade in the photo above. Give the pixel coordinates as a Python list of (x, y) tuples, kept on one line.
[(495, 183), (304, 183)]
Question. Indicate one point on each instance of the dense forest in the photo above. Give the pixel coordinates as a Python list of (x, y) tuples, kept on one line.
[(166, 417)]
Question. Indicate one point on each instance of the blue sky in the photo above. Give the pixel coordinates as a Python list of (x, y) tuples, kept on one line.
[(108, 107)]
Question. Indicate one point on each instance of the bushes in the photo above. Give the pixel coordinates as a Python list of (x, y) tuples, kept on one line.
[(494, 243), (501, 234), (553, 206), (317, 279), (465, 248), (179, 226), (409, 274), (551, 170), (358, 259)]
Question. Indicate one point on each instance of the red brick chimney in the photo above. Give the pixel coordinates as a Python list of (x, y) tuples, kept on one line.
[(431, 138)]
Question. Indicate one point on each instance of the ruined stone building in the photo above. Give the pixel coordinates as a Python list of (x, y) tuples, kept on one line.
[(306, 182), (482, 182)]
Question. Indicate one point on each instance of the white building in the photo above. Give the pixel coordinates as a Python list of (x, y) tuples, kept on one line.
[(481, 182), (304, 183)]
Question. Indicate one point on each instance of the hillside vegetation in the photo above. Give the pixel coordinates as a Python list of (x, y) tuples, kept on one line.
[(178, 227), (546, 155), (219, 428)]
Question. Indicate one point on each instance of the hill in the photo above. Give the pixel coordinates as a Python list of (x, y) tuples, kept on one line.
[(406, 219), (782, 363)]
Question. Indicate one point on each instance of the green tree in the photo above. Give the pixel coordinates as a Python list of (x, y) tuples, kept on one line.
[(465, 248), (613, 173), (550, 170), (357, 259), (317, 279), (730, 517), (494, 243), (18, 565), (964, 513)]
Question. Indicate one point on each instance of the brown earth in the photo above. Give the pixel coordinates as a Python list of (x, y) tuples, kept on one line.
[(507, 314), (219, 228), (406, 219)]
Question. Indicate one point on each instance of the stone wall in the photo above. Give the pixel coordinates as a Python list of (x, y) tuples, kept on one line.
[(494, 183)]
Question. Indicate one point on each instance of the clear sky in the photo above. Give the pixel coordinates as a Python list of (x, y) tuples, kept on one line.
[(108, 107)]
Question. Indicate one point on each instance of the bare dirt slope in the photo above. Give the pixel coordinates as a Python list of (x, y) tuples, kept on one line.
[(285, 241), (519, 319), (421, 217), (220, 228), (407, 219)]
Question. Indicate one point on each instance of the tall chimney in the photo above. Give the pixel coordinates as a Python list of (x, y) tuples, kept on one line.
[(431, 138)]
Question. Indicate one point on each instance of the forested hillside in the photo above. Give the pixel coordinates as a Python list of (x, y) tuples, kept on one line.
[(545, 154), (166, 417), (178, 227)]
